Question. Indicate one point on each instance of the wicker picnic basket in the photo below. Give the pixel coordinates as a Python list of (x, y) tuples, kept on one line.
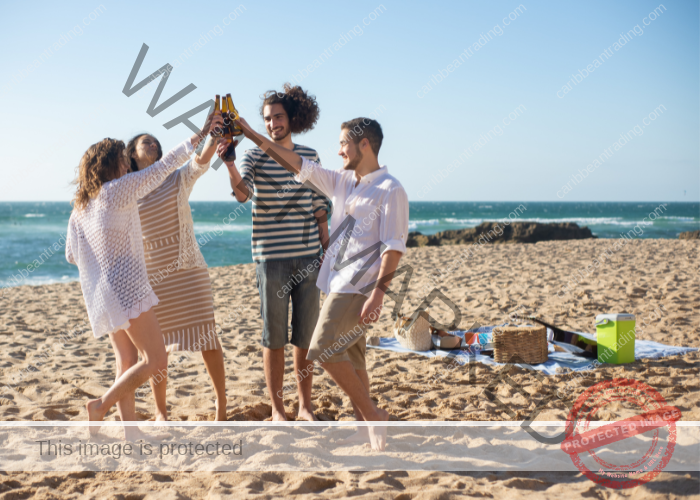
[(513, 344), (416, 336)]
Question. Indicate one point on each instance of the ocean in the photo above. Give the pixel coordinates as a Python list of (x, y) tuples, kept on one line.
[(34, 231)]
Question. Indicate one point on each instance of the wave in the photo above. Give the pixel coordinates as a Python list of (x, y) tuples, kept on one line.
[(581, 221), (35, 215), (473, 222), (6, 285), (213, 228), (412, 224)]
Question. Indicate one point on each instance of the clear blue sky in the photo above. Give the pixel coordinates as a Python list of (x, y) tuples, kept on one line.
[(385, 55)]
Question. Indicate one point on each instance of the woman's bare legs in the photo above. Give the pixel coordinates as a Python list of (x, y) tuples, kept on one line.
[(214, 361), (159, 384), (146, 336), (126, 355)]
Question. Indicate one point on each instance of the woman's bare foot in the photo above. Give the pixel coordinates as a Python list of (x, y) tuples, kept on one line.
[(159, 417), (95, 414), (221, 411), (377, 433), (305, 414)]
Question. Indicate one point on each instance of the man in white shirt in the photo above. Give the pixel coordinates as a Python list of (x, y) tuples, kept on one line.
[(372, 215)]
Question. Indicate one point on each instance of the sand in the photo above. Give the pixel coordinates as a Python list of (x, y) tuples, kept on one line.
[(54, 364)]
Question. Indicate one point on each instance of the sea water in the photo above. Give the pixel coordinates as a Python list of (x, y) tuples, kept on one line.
[(33, 233)]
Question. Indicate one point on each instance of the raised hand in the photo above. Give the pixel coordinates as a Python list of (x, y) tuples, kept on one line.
[(215, 121), (222, 147), (247, 130)]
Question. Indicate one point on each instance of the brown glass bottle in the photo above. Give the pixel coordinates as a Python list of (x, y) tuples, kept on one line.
[(230, 154), (225, 116), (236, 129), (216, 131)]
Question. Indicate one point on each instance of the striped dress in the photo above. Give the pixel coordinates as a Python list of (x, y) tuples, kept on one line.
[(186, 308), (284, 226)]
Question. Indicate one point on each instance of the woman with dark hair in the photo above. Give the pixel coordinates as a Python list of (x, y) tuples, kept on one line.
[(290, 229), (176, 268), (104, 241)]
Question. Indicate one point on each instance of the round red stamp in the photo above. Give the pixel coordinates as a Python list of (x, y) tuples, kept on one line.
[(595, 449)]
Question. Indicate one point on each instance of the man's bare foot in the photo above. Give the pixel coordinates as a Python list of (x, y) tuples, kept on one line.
[(305, 414), (134, 433), (377, 433), (221, 411), (361, 436), (278, 417), (95, 414)]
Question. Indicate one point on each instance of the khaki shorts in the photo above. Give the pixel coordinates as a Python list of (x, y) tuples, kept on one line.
[(339, 335)]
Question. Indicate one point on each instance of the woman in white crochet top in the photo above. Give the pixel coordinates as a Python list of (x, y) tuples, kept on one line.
[(104, 240)]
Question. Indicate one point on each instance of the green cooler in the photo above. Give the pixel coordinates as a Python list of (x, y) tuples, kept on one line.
[(615, 338)]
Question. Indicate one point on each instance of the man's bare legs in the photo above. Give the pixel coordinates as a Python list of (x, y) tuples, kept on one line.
[(146, 336), (351, 382), (304, 373), (214, 361), (362, 434), (273, 364)]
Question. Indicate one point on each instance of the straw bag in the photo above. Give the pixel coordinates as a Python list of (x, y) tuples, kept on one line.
[(414, 336), (529, 343)]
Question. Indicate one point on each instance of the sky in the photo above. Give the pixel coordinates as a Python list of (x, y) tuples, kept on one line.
[(478, 100)]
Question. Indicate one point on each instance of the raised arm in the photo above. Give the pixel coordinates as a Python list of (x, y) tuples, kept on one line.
[(241, 184), (196, 168), (131, 187)]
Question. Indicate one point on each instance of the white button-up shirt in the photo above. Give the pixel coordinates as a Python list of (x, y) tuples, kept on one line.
[(379, 207)]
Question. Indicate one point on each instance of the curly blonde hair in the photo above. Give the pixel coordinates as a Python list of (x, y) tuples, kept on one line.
[(99, 164)]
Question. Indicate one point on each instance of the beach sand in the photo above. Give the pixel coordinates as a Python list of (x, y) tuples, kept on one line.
[(54, 364)]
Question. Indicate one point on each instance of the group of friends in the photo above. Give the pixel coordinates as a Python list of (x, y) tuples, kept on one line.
[(145, 282)]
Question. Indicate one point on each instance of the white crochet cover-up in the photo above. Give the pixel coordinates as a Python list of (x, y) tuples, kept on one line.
[(105, 241)]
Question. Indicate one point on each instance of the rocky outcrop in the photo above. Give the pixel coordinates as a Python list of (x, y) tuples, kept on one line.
[(688, 235), (495, 232)]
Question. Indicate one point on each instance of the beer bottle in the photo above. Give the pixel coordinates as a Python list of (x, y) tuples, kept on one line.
[(236, 129), (230, 154), (216, 131), (225, 116)]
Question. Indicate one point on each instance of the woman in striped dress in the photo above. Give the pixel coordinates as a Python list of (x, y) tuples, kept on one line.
[(176, 268)]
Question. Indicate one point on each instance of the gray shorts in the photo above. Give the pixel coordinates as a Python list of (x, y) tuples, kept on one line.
[(278, 282)]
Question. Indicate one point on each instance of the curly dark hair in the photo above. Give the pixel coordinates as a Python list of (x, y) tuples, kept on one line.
[(99, 164), (131, 147), (302, 108)]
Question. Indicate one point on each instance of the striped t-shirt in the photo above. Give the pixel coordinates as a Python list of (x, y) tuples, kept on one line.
[(284, 226)]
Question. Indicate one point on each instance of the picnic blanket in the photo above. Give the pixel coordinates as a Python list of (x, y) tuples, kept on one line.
[(558, 361)]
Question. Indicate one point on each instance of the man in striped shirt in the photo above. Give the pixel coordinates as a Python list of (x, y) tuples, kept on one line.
[(289, 230)]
